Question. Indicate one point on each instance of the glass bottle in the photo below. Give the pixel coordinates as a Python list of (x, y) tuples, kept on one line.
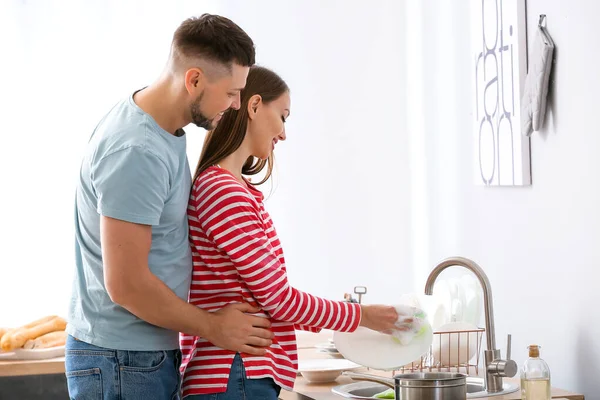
[(535, 377)]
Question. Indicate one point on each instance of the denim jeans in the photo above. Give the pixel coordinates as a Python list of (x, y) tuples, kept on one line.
[(96, 373), (241, 388)]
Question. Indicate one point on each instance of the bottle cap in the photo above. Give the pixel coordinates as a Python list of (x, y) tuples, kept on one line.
[(534, 350)]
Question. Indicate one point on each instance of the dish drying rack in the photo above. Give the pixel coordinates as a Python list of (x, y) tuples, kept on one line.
[(452, 359), (452, 353)]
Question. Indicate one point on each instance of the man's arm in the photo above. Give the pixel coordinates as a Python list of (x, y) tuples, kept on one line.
[(131, 284)]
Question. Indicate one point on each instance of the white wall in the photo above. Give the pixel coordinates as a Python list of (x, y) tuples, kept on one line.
[(537, 244), (341, 200), (64, 64)]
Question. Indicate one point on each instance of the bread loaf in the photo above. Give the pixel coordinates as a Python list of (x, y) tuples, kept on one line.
[(2, 332), (16, 338), (52, 339), (6, 340)]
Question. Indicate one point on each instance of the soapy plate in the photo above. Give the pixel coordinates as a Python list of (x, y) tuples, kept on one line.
[(379, 351)]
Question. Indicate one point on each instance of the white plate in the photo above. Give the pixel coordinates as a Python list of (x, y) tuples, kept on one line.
[(376, 350), (457, 306), (455, 348), (41, 354), (439, 316), (325, 346), (443, 295), (326, 364), (327, 351), (473, 299), (333, 354)]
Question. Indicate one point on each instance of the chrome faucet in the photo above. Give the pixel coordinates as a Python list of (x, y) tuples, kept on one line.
[(495, 367)]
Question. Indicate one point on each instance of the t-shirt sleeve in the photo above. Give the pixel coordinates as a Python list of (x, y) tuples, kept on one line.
[(131, 185)]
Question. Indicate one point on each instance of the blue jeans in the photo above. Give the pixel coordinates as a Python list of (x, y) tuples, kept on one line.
[(241, 388), (96, 373)]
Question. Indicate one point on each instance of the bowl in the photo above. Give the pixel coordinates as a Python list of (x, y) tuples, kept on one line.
[(320, 376), (324, 370)]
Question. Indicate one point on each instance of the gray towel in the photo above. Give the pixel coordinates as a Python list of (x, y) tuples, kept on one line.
[(533, 103)]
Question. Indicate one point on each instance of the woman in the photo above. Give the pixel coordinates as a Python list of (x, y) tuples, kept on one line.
[(238, 258)]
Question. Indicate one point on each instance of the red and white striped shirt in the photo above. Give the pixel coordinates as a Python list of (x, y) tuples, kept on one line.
[(238, 258)]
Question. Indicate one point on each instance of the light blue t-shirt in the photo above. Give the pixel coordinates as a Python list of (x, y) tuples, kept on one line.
[(135, 171)]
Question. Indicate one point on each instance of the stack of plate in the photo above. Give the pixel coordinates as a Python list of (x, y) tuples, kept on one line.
[(329, 349)]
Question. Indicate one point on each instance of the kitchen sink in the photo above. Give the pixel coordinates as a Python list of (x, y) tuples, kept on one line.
[(476, 390), (366, 390), (359, 390)]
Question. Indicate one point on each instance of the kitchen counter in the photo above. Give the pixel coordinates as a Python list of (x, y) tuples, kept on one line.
[(322, 391), (304, 390), (33, 379), (32, 367)]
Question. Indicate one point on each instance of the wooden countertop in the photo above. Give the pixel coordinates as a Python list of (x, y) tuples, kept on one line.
[(32, 367)]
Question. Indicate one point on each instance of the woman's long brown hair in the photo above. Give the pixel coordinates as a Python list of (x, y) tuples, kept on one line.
[(229, 134)]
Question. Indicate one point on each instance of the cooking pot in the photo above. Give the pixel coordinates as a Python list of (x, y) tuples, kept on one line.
[(421, 385)]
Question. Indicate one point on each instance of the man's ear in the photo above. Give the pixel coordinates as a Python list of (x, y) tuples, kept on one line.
[(194, 80)]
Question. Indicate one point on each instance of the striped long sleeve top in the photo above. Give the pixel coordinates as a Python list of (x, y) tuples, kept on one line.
[(238, 258)]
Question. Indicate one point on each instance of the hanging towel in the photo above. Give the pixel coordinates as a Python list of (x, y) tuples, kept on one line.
[(533, 103)]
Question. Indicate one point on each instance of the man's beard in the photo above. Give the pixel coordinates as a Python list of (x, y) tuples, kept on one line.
[(199, 119)]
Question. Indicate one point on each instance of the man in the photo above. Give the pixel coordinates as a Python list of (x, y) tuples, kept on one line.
[(132, 250)]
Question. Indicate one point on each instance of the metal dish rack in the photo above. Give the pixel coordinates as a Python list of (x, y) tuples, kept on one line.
[(428, 363)]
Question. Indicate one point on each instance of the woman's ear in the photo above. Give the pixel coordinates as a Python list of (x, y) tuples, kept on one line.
[(253, 105)]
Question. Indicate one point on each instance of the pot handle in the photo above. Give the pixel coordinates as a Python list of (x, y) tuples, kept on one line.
[(371, 378)]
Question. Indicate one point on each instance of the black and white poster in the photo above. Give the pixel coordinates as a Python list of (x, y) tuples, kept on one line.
[(502, 156)]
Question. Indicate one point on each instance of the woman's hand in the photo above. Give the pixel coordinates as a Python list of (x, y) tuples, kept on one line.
[(384, 319)]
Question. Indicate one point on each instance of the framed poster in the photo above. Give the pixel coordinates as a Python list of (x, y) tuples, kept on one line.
[(499, 50)]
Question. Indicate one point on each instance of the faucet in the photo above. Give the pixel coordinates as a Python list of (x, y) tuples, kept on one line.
[(495, 367)]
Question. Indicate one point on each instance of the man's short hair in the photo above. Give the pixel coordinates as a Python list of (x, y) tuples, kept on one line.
[(213, 38)]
